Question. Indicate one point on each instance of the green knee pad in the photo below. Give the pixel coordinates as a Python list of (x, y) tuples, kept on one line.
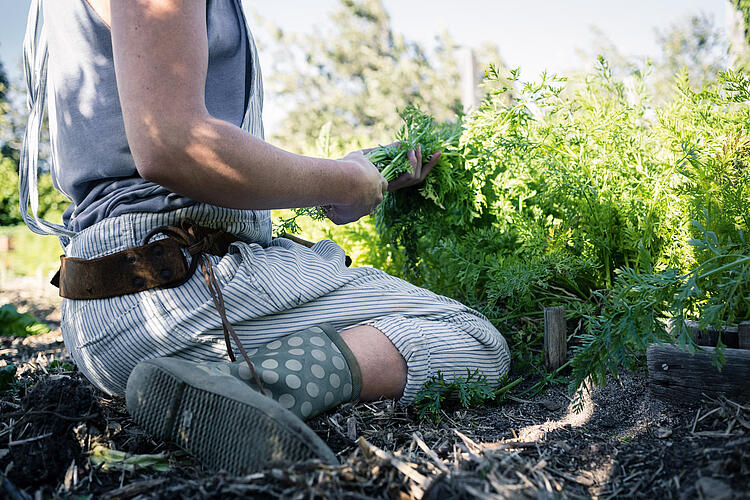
[(307, 372)]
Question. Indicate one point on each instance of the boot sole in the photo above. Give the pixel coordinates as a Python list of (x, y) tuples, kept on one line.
[(219, 420)]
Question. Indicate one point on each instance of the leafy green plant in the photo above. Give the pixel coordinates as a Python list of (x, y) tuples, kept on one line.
[(61, 366), (469, 391), (558, 187), (51, 203), (645, 308), (19, 324), (714, 286), (407, 218), (418, 131), (9, 211), (111, 459), (290, 223), (32, 254), (581, 193)]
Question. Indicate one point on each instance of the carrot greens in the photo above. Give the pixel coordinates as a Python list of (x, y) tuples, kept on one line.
[(586, 195)]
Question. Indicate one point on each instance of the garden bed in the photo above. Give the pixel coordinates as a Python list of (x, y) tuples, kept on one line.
[(59, 432)]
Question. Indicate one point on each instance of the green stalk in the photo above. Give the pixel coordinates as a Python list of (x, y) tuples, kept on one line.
[(388, 170)]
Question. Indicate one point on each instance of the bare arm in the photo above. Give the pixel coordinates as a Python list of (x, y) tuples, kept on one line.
[(161, 53)]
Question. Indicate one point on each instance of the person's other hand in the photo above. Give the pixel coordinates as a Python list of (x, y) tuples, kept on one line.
[(419, 171), (367, 194)]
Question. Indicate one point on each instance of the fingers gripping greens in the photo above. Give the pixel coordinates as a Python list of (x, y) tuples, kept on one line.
[(419, 131)]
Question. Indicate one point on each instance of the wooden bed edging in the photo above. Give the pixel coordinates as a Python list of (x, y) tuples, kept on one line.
[(555, 337), (676, 376), (732, 336)]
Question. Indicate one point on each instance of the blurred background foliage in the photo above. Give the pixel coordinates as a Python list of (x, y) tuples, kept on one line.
[(743, 9), (30, 254), (357, 76)]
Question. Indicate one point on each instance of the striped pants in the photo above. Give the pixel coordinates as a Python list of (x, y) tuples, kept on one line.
[(271, 288)]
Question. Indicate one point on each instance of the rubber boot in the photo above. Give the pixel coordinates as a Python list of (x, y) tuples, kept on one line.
[(221, 421), (307, 372)]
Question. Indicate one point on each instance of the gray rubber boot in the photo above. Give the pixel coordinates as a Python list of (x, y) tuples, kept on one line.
[(220, 420), (307, 372)]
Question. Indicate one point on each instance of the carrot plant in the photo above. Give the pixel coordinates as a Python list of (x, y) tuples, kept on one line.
[(585, 194), (418, 131), (708, 131)]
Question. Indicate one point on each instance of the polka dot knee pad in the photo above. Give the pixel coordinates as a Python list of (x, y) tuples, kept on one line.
[(307, 372)]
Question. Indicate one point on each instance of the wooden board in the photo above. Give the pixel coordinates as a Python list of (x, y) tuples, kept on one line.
[(743, 333), (737, 337), (555, 337), (677, 376), (710, 336)]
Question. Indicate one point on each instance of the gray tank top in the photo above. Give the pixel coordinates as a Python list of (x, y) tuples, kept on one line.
[(91, 161)]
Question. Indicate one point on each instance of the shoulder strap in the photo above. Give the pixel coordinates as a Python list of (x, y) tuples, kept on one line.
[(253, 119), (35, 69)]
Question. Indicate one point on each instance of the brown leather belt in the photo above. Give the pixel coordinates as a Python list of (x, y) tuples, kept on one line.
[(154, 264), (160, 263)]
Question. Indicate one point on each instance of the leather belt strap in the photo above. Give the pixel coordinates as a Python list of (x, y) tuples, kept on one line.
[(154, 264), (157, 264)]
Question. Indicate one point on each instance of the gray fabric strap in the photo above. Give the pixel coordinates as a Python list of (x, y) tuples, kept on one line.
[(35, 57), (253, 120)]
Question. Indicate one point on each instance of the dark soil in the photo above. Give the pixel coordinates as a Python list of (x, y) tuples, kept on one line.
[(55, 428), (51, 409)]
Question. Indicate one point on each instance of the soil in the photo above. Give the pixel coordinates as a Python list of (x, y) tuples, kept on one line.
[(61, 438)]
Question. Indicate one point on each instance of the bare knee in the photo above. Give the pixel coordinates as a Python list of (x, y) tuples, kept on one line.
[(382, 366)]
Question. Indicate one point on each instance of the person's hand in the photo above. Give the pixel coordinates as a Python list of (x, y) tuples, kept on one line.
[(367, 194), (419, 171)]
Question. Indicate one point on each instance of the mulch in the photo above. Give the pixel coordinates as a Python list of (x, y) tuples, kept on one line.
[(61, 438)]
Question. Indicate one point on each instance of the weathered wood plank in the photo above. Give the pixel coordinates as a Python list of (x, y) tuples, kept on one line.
[(710, 336), (555, 337), (743, 334), (675, 375)]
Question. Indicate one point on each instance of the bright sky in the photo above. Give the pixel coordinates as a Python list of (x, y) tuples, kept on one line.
[(533, 35)]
